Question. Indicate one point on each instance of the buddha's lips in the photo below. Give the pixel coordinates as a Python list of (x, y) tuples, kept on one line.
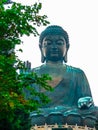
[(54, 52)]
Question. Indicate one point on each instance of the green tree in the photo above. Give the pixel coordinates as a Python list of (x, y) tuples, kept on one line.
[(16, 21)]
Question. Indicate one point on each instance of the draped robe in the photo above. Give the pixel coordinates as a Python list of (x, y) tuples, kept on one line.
[(70, 84)]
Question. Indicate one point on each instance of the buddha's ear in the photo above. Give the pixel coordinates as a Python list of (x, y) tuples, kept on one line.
[(42, 55), (65, 57)]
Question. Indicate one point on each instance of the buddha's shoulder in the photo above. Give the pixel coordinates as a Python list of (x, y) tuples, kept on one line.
[(38, 69), (68, 68), (74, 69)]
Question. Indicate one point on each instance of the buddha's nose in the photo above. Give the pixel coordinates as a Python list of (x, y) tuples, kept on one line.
[(54, 45)]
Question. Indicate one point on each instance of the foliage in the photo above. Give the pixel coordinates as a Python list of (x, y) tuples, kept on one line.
[(16, 21)]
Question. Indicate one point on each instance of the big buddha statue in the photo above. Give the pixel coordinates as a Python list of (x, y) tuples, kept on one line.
[(71, 99)]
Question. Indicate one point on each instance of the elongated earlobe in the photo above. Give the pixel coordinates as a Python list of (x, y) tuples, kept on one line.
[(42, 56), (65, 58), (43, 59)]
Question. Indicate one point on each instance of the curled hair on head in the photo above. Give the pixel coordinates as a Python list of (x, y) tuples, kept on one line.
[(55, 30)]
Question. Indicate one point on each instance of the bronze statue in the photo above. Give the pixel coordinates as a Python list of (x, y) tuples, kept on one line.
[(71, 100)]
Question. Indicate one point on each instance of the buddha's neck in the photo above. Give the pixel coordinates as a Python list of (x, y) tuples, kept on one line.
[(55, 69), (50, 63)]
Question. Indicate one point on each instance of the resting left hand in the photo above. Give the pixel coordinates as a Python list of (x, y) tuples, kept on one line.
[(85, 102)]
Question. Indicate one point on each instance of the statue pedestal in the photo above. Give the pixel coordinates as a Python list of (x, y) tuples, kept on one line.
[(61, 127)]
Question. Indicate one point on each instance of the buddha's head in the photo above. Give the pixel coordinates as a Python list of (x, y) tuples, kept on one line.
[(54, 44)]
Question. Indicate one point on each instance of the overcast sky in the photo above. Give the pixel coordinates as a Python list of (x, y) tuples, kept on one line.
[(80, 19)]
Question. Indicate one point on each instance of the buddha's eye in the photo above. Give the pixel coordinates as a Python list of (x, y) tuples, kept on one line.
[(60, 42), (48, 42)]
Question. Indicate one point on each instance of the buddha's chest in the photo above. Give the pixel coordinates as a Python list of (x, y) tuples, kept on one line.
[(55, 80), (56, 76)]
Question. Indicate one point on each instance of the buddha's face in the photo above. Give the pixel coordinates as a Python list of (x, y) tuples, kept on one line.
[(54, 48)]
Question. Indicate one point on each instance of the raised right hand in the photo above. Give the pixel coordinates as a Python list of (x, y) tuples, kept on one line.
[(27, 68)]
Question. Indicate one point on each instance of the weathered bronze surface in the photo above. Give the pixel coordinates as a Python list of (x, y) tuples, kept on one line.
[(71, 100)]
